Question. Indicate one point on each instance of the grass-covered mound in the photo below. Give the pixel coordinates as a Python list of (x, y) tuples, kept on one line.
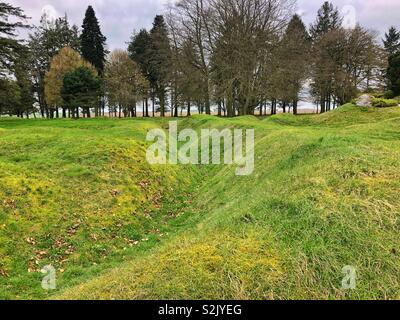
[(324, 194), (345, 116), (78, 195)]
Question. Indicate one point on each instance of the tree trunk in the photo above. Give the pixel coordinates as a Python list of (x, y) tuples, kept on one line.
[(176, 108), (229, 106), (272, 106), (322, 105), (147, 107), (162, 104), (208, 104), (152, 100)]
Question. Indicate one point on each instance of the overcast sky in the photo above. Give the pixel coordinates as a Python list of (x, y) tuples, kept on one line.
[(118, 18)]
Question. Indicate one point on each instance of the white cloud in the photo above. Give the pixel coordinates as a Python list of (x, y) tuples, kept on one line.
[(118, 18), (374, 14)]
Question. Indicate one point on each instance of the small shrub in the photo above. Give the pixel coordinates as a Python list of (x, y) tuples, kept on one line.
[(379, 95), (389, 94), (384, 103)]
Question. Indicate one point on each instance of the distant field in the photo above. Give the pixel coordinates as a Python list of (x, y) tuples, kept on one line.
[(79, 195), (302, 110)]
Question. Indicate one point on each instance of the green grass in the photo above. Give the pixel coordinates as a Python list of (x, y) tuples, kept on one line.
[(78, 195), (324, 194), (384, 103)]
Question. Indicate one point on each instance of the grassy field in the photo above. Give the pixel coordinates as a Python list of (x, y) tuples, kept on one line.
[(80, 195)]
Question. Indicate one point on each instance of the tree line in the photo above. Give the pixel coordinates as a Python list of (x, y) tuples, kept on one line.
[(234, 57)]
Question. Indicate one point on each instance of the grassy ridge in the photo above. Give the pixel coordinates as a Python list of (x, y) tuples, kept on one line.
[(324, 194), (79, 195)]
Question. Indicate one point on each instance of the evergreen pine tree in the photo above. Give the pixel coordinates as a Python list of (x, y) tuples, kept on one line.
[(293, 61), (138, 50), (393, 73), (9, 95), (24, 82), (328, 19), (392, 41), (159, 60), (11, 19), (92, 41), (66, 35), (80, 88)]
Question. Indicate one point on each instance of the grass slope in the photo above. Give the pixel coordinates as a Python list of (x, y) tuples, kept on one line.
[(324, 194), (79, 196)]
